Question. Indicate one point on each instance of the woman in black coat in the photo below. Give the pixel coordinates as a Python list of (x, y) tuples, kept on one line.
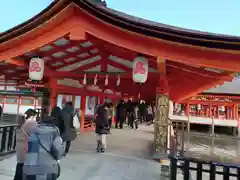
[(102, 127), (70, 132), (57, 114)]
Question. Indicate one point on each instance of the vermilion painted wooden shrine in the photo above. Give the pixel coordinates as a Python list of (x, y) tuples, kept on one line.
[(84, 45)]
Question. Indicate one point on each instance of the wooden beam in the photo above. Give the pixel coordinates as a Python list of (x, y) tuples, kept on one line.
[(87, 66), (76, 61), (77, 34), (120, 52), (185, 91), (104, 62), (198, 71), (119, 66), (180, 52), (70, 55)]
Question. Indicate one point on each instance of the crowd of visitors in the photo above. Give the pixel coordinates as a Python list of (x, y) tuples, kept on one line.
[(40, 144), (41, 141), (133, 113), (129, 113)]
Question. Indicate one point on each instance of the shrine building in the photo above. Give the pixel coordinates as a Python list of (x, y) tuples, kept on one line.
[(85, 49)]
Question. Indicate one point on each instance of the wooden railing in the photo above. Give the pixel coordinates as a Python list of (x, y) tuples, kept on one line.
[(7, 139), (194, 169), (88, 123)]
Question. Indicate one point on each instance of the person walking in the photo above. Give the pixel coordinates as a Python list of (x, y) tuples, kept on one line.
[(136, 115), (1, 112), (150, 114), (130, 114), (57, 114), (120, 115), (142, 111), (27, 125), (110, 115), (70, 132), (45, 149), (102, 127)]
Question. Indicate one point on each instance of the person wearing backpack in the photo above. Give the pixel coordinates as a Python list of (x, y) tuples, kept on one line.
[(45, 148)]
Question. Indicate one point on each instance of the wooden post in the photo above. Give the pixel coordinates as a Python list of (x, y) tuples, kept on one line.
[(236, 111), (101, 99), (188, 116), (53, 84), (83, 108), (161, 126), (210, 110)]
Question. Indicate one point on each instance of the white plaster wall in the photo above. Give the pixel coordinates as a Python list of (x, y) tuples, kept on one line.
[(10, 108), (59, 100), (23, 109), (77, 103)]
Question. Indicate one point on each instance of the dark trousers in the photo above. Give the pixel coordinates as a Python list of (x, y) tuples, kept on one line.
[(142, 117), (117, 123), (33, 177), (68, 145), (110, 123), (130, 120), (19, 172), (122, 121)]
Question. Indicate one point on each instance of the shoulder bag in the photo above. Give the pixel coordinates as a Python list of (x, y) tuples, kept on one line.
[(52, 155)]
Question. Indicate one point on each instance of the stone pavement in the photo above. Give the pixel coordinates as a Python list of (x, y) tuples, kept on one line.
[(127, 158)]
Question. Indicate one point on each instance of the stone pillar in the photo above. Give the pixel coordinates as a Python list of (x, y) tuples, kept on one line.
[(161, 126)]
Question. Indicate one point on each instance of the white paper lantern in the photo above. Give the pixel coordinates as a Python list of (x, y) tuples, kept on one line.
[(140, 69), (36, 69)]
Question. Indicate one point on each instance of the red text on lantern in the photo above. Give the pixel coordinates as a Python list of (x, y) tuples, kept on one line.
[(35, 67), (139, 68)]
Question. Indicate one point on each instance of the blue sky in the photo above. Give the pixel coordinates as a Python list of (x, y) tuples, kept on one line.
[(219, 16)]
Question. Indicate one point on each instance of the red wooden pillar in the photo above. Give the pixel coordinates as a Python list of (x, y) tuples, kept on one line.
[(217, 111), (187, 109), (227, 112), (83, 108), (210, 110), (53, 85), (101, 99), (188, 116), (236, 111), (3, 103)]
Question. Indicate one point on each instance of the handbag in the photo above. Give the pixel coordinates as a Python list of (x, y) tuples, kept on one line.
[(52, 154), (76, 123)]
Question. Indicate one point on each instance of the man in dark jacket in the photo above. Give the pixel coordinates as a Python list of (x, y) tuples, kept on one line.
[(142, 111), (120, 114), (0, 112), (70, 132), (102, 127), (130, 113)]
